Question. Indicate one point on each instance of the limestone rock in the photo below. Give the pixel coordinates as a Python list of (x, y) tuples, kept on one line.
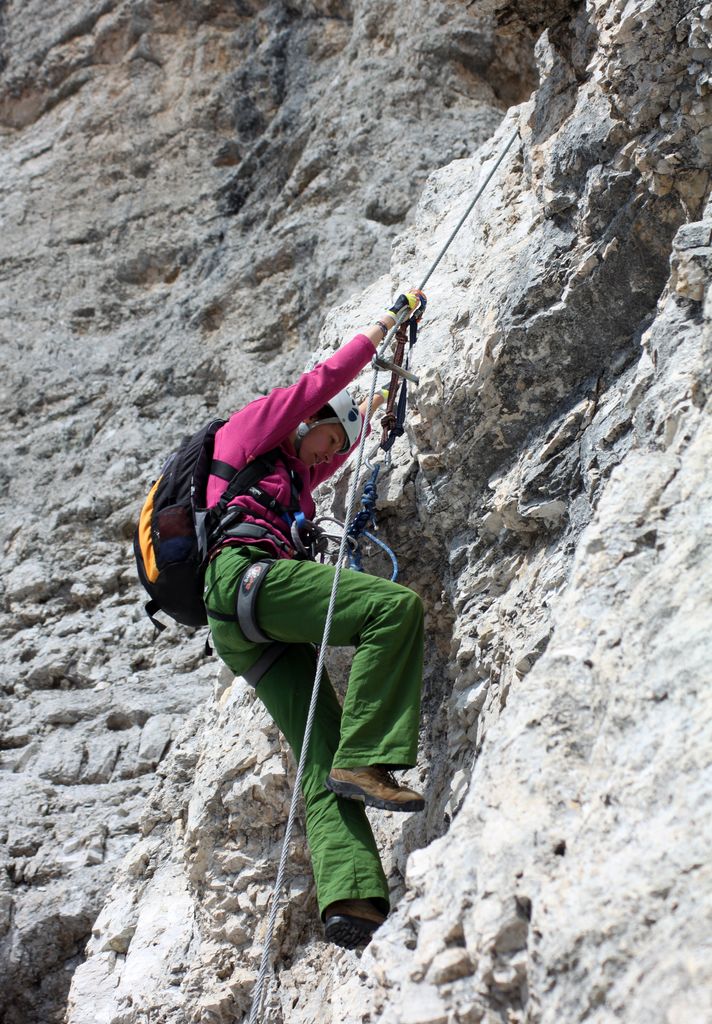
[(194, 198)]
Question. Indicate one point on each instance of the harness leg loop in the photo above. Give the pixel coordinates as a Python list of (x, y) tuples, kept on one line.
[(247, 592), (264, 663)]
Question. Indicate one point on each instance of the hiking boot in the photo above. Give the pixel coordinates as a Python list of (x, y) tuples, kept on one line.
[(351, 923), (375, 787)]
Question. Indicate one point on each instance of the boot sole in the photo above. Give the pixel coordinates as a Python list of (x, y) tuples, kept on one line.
[(351, 791), (349, 932)]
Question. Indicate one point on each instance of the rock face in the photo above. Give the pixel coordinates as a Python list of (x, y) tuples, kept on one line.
[(184, 188)]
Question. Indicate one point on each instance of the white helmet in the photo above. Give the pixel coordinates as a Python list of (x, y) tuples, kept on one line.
[(346, 414)]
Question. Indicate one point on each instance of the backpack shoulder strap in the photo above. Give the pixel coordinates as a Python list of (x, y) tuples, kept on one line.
[(241, 480), (222, 469)]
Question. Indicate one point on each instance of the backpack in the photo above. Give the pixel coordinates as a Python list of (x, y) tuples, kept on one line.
[(175, 531)]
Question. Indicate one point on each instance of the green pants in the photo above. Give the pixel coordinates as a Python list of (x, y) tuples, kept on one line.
[(380, 717)]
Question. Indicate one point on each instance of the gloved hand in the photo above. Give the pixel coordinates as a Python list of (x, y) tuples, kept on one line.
[(415, 300)]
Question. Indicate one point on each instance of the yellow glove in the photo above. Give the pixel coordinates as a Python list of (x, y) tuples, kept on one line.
[(415, 301)]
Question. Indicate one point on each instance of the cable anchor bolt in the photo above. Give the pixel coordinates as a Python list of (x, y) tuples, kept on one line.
[(380, 363)]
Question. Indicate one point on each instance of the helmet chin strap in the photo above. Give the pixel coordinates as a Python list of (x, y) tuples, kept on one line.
[(302, 431), (304, 428)]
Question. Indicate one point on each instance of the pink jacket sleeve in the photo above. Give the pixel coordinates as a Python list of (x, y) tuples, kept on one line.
[(264, 423)]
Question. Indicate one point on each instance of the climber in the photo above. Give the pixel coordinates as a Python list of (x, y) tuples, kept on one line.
[(314, 425)]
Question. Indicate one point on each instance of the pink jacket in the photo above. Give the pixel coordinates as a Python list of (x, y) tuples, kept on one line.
[(266, 423)]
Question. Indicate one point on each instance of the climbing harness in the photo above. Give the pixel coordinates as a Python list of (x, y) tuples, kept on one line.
[(247, 593), (246, 604), (264, 663), (378, 363)]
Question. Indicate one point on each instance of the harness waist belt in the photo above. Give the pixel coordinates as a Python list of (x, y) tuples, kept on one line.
[(250, 531)]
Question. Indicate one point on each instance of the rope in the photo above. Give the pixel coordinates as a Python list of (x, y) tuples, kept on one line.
[(279, 884), (367, 517), (391, 554)]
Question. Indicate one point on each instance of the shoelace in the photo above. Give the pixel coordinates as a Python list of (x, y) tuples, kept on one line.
[(385, 776)]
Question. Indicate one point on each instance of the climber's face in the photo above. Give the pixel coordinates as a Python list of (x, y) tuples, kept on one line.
[(322, 443)]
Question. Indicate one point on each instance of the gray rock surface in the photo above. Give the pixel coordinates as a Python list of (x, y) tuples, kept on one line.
[(168, 170)]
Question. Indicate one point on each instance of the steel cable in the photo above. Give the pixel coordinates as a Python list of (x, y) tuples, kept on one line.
[(264, 964)]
